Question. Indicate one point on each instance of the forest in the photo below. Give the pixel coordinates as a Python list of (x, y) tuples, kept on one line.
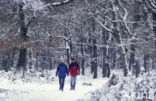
[(102, 35)]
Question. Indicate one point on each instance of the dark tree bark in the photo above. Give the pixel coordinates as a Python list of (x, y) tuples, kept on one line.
[(83, 58), (132, 47), (154, 29), (137, 68), (93, 49), (5, 62), (91, 43), (122, 52), (114, 59), (94, 59), (132, 56), (82, 66), (146, 63), (91, 52), (23, 31), (106, 70)]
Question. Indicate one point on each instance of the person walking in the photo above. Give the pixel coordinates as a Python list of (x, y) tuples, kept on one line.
[(73, 70), (61, 72)]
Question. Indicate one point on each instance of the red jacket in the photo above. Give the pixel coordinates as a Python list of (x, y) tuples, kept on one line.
[(74, 69)]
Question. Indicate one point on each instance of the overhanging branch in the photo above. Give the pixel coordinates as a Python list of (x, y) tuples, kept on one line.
[(61, 3)]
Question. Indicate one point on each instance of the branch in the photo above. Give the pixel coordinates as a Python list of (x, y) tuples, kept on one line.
[(151, 5), (103, 26), (124, 18), (61, 3), (7, 31), (29, 22), (39, 26)]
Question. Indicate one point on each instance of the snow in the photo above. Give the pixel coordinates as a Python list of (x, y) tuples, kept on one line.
[(43, 90), (126, 89), (37, 88), (36, 5), (59, 3), (56, 3)]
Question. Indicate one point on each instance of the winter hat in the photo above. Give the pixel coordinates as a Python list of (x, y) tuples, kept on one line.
[(72, 58)]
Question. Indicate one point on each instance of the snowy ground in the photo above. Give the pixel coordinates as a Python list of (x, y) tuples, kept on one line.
[(37, 88), (47, 91)]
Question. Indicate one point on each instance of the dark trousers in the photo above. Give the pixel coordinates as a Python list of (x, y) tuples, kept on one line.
[(61, 82)]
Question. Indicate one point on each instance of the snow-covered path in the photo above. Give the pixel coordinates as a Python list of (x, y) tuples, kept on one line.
[(48, 91)]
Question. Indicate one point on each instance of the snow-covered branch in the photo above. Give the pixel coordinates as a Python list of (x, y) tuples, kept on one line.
[(151, 4), (103, 26), (61, 3)]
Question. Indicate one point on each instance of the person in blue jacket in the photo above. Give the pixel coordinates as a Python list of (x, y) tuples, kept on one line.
[(61, 73)]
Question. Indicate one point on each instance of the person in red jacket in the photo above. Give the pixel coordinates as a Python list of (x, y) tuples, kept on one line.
[(73, 70)]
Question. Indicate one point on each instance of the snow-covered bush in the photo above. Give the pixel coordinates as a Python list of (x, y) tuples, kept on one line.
[(126, 89)]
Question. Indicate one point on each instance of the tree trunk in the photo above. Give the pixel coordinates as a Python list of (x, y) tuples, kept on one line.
[(83, 58), (154, 29), (68, 57), (22, 58), (93, 48), (91, 53), (114, 59), (4, 62), (105, 68), (94, 59), (121, 48), (146, 63), (82, 66), (137, 68), (132, 57), (122, 51), (23, 31)]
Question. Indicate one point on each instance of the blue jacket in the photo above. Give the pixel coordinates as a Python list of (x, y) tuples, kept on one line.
[(62, 70)]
